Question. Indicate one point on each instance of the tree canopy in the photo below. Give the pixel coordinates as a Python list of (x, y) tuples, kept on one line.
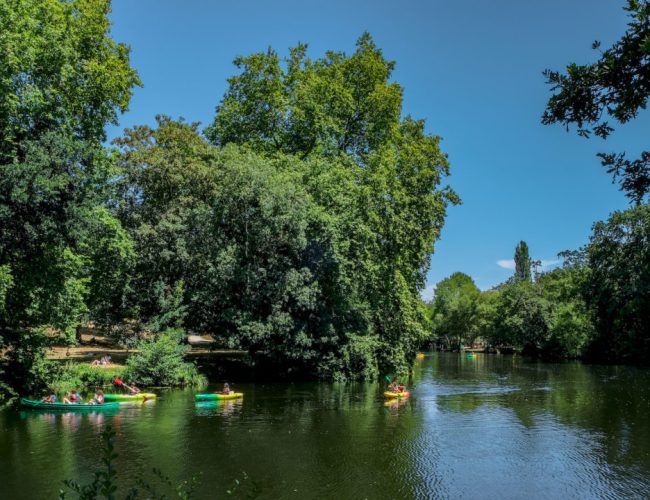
[(455, 310), (62, 79)]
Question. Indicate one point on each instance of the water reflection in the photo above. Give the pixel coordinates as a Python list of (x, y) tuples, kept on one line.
[(222, 408)]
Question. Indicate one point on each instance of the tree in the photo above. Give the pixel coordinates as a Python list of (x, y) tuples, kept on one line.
[(522, 318), (619, 257), (344, 111), (522, 262), (455, 310), (571, 322), (263, 265), (615, 86), (62, 79)]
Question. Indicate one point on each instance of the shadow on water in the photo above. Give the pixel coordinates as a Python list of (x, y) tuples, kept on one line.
[(487, 427)]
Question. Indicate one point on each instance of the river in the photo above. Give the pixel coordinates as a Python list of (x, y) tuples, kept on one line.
[(489, 427)]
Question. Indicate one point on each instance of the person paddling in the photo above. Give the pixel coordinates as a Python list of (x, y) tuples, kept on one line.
[(226, 389), (395, 387), (132, 388)]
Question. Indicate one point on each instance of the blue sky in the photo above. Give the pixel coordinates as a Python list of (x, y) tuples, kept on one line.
[(472, 69)]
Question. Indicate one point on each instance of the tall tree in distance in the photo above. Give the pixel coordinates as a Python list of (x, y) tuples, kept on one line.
[(522, 262), (615, 86), (455, 310)]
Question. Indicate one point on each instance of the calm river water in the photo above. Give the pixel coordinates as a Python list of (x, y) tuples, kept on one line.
[(490, 427)]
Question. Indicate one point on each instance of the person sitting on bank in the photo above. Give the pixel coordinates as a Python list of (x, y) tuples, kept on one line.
[(103, 361), (72, 397), (49, 399)]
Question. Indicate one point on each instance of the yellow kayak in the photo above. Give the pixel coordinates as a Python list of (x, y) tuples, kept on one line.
[(390, 395), (214, 396)]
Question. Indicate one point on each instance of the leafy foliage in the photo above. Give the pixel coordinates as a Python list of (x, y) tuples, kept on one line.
[(159, 362), (619, 258), (81, 376), (522, 262), (616, 86), (301, 230), (522, 317), (455, 312), (549, 317), (62, 79), (306, 233), (374, 179), (61, 71)]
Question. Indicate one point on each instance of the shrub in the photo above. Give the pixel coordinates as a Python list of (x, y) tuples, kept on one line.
[(82, 376), (159, 362)]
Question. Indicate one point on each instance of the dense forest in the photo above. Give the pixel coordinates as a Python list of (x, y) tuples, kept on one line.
[(298, 225), (597, 305)]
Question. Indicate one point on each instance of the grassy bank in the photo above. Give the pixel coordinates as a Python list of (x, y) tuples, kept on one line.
[(83, 377)]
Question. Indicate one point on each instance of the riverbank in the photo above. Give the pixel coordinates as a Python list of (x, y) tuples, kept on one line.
[(94, 346)]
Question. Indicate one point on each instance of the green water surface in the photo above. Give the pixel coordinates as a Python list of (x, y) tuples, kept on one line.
[(490, 427)]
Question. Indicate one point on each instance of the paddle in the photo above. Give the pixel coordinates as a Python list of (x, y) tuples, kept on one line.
[(118, 381)]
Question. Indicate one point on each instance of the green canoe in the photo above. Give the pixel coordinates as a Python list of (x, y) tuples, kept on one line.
[(142, 396), (39, 405), (214, 397)]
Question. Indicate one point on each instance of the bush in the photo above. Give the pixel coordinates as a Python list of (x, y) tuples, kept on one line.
[(159, 362), (82, 376)]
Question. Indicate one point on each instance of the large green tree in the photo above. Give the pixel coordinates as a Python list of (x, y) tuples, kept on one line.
[(346, 111), (571, 320), (62, 79), (522, 318), (619, 257), (615, 87)]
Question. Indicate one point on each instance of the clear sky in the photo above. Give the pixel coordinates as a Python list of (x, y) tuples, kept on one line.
[(472, 69)]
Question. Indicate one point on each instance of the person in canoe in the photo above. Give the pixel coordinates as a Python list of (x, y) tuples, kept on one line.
[(49, 399), (395, 387), (226, 389), (72, 397), (98, 399)]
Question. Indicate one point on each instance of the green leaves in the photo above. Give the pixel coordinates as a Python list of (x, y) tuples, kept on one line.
[(63, 255), (159, 362), (455, 310), (332, 105), (61, 71), (617, 289), (522, 262)]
